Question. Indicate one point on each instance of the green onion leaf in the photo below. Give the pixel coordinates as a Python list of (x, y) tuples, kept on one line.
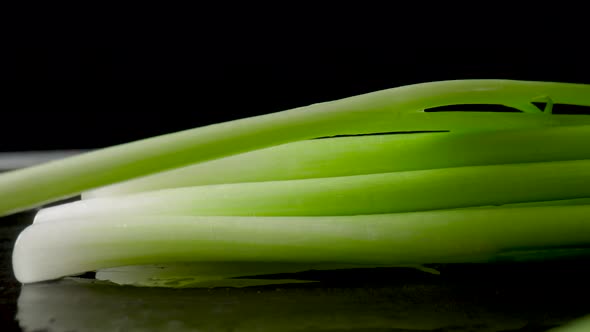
[(398, 109), (370, 154)]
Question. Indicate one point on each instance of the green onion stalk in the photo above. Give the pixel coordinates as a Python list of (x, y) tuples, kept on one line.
[(345, 183)]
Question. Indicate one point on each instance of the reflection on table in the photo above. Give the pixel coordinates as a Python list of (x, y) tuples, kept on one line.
[(486, 297)]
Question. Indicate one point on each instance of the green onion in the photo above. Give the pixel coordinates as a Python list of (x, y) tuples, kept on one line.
[(65, 247), (370, 154), (398, 109), (443, 188), (265, 195)]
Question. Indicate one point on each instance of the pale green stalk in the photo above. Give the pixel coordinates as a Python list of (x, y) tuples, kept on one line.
[(370, 154), (52, 250), (443, 188), (398, 109)]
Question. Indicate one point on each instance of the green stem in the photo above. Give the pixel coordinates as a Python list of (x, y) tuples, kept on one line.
[(398, 109), (443, 188), (370, 154), (52, 250)]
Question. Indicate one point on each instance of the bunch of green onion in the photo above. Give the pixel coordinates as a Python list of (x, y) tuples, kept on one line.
[(366, 181)]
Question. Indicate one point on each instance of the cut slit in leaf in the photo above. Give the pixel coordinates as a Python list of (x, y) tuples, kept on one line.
[(473, 108), (563, 109)]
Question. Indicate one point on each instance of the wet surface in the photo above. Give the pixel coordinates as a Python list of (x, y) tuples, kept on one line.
[(463, 297)]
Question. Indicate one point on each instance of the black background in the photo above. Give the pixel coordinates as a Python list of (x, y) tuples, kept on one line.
[(91, 90), (65, 86)]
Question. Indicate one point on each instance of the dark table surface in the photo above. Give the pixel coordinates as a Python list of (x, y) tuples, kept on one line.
[(488, 297)]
